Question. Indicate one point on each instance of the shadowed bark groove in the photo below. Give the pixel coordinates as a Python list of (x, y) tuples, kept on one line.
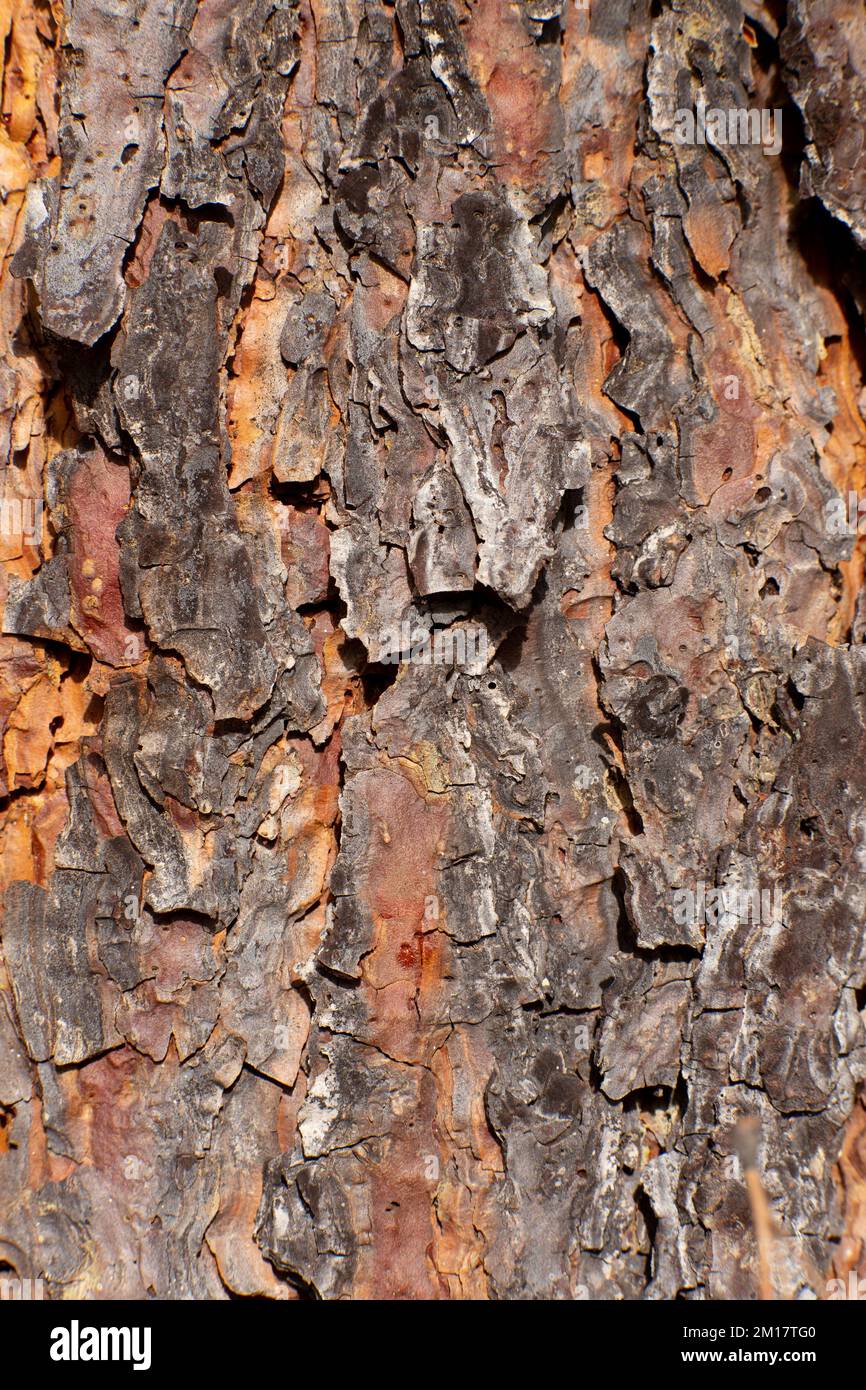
[(432, 675)]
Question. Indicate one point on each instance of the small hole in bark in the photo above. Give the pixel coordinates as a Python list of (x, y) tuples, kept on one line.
[(224, 279), (797, 699), (550, 31), (644, 1206), (7, 1115), (376, 677)]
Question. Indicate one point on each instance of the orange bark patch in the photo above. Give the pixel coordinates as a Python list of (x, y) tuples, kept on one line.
[(514, 77), (97, 502), (402, 976), (711, 231)]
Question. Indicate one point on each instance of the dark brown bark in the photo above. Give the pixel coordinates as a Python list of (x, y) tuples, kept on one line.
[(337, 960)]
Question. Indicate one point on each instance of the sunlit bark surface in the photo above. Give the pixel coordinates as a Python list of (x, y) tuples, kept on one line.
[(431, 579)]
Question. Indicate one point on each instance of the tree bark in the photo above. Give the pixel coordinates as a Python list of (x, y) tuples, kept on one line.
[(434, 855)]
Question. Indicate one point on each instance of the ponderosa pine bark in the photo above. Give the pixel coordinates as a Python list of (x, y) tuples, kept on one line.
[(448, 584)]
